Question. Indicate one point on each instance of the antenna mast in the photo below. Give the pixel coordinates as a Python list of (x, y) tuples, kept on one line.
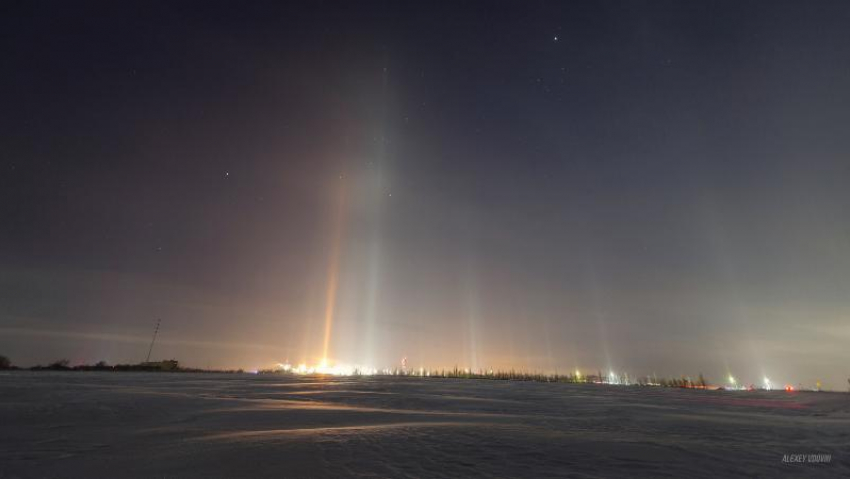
[(156, 330)]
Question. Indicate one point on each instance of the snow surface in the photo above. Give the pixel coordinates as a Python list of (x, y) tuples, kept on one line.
[(89, 424)]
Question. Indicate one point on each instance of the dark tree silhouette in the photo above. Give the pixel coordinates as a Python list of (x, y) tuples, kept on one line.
[(59, 364)]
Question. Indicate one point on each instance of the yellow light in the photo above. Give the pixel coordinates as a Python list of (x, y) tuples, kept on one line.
[(333, 272), (325, 368)]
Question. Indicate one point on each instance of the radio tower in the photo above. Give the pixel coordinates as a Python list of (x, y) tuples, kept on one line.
[(156, 330)]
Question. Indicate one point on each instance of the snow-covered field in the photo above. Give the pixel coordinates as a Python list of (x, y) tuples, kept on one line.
[(78, 424)]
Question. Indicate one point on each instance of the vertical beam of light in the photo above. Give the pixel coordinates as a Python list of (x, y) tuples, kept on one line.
[(472, 318), (512, 335), (333, 272), (572, 339), (598, 312), (371, 311), (547, 334), (473, 315), (310, 312), (716, 234), (375, 200)]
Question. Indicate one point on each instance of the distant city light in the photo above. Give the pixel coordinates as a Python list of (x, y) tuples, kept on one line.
[(323, 368), (326, 367)]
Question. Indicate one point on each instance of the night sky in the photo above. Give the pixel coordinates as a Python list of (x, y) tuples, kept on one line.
[(650, 187)]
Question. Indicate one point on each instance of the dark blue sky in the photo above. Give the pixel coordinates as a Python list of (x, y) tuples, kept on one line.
[(640, 186)]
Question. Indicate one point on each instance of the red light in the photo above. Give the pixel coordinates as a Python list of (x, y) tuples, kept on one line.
[(789, 388)]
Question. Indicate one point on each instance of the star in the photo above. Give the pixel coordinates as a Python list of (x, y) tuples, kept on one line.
[(555, 39)]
